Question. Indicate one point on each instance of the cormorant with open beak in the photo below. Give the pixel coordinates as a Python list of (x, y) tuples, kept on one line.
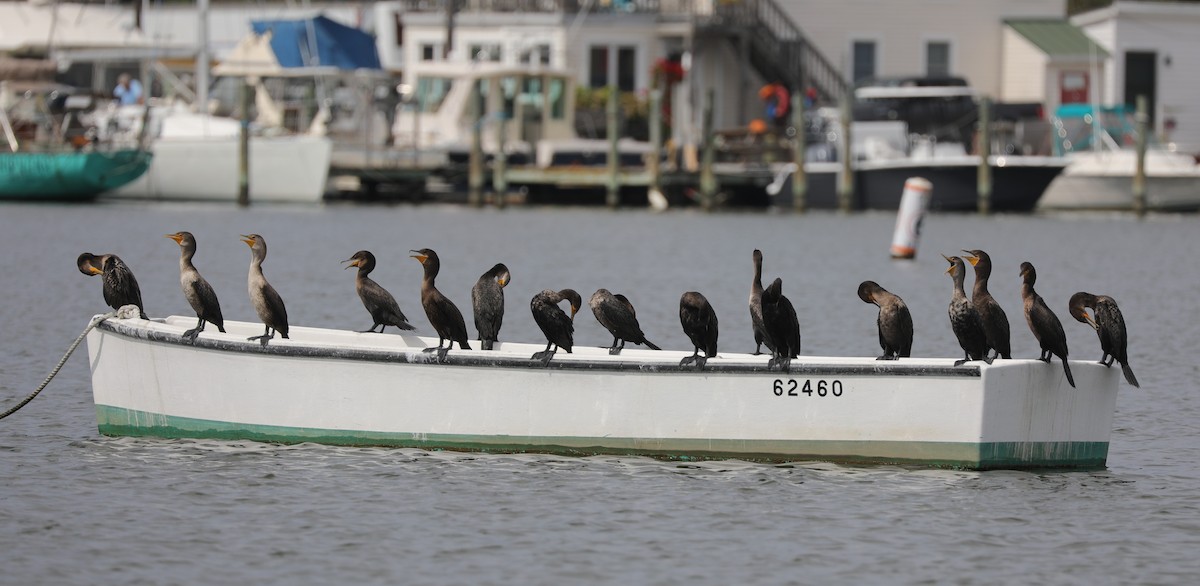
[(379, 303), (120, 286), (267, 302), (894, 321), (782, 326), (443, 315), (964, 319), (196, 290), (1042, 321), (700, 324), (1110, 327), (487, 299), (558, 327)]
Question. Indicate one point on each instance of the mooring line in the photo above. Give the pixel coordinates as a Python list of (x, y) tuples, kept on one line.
[(124, 313)]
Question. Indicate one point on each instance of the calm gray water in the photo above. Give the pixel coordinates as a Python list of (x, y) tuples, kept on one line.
[(79, 508)]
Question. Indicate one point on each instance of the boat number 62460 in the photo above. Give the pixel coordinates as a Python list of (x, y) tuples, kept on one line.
[(822, 388)]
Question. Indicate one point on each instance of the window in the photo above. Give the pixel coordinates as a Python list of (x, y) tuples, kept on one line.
[(864, 60), (557, 97), (598, 67), (538, 54), (399, 30), (429, 51), (937, 59), (626, 74), (484, 52)]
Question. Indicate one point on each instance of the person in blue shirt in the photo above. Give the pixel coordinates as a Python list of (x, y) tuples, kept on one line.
[(128, 90)]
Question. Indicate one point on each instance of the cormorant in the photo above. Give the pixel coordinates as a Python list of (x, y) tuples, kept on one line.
[(700, 324), (782, 326), (964, 319), (379, 303), (995, 321), (487, 298), (616, 314), (894, 322), (120, 286), (267, 302), (1044, 324), (558, 327), (756, 315), (1110, 327), (443, 315), (196, 290)]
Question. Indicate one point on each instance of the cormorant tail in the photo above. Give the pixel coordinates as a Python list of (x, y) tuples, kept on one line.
[(651, 345), (1067, 369), (485, 344), (1129, 375)]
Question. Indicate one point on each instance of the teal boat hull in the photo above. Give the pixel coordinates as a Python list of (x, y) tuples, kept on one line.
[(68, 176)]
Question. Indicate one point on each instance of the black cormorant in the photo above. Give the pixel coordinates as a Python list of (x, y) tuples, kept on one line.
[(1044, 324), (995, 321), (756, 315), (964, 319), (558, 327), (1110, 327), (700, 324), (487, 298), (443, 315), (782, 326), (120, 286), (894, 322), (379, 303), (617, 316), (267, 302), (196, 290)]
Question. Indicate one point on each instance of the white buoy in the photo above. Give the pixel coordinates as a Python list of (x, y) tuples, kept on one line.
[(913, 203)]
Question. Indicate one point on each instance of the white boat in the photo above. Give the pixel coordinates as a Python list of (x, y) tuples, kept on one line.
[(348, 388), (196, 158), (1103, 162)]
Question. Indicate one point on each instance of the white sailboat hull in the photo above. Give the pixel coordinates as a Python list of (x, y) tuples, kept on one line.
[(349, 388)]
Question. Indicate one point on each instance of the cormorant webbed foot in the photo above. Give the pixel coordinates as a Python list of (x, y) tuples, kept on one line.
[(689, 359), (960, 362), (441, 354), (191, 334), (544, 356)]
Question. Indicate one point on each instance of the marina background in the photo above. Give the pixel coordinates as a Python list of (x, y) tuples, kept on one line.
[(78, 507)]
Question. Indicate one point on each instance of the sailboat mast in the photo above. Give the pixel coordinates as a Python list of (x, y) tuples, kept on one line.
[(202, 64)]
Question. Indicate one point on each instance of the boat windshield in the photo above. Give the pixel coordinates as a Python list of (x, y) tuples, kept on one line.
[(1074, 129)]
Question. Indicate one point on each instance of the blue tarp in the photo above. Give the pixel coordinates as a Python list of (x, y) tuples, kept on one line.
[(319, 42)]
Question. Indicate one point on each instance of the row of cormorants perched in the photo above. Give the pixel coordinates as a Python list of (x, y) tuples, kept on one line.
[(978, 322)]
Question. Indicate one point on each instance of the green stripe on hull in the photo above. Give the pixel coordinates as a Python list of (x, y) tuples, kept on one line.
[(115, 421)]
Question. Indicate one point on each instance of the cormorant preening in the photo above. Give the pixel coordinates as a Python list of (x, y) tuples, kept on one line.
[(196, 290), (1110, 327), (120, 286), (995, 321), (756, 316), (267, 302), (487, 298), (700, 324), (964, 319), (894, 323), (1044, 324), (443, 315), (782, 326), (616, 314), (558, 327), (379, 303)]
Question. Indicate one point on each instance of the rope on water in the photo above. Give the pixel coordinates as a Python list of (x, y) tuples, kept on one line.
[(126, 312)]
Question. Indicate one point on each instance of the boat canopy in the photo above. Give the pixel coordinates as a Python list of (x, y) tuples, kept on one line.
[(312, 46)]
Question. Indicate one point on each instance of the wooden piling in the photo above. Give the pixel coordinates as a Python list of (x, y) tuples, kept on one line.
[(845, 192), (799, 176), (500, 166), (243, 198), (475, 159), (653, 164), (613, 196), (708, 178), (983, 184), (1142, 118)]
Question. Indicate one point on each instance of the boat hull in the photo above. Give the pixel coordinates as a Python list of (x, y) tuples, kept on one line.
[(1017, 185), (348, 388), (282, 169), (1104, 181), (68, 176)]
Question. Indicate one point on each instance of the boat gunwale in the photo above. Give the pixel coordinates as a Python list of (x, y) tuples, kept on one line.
[(507, 360)]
